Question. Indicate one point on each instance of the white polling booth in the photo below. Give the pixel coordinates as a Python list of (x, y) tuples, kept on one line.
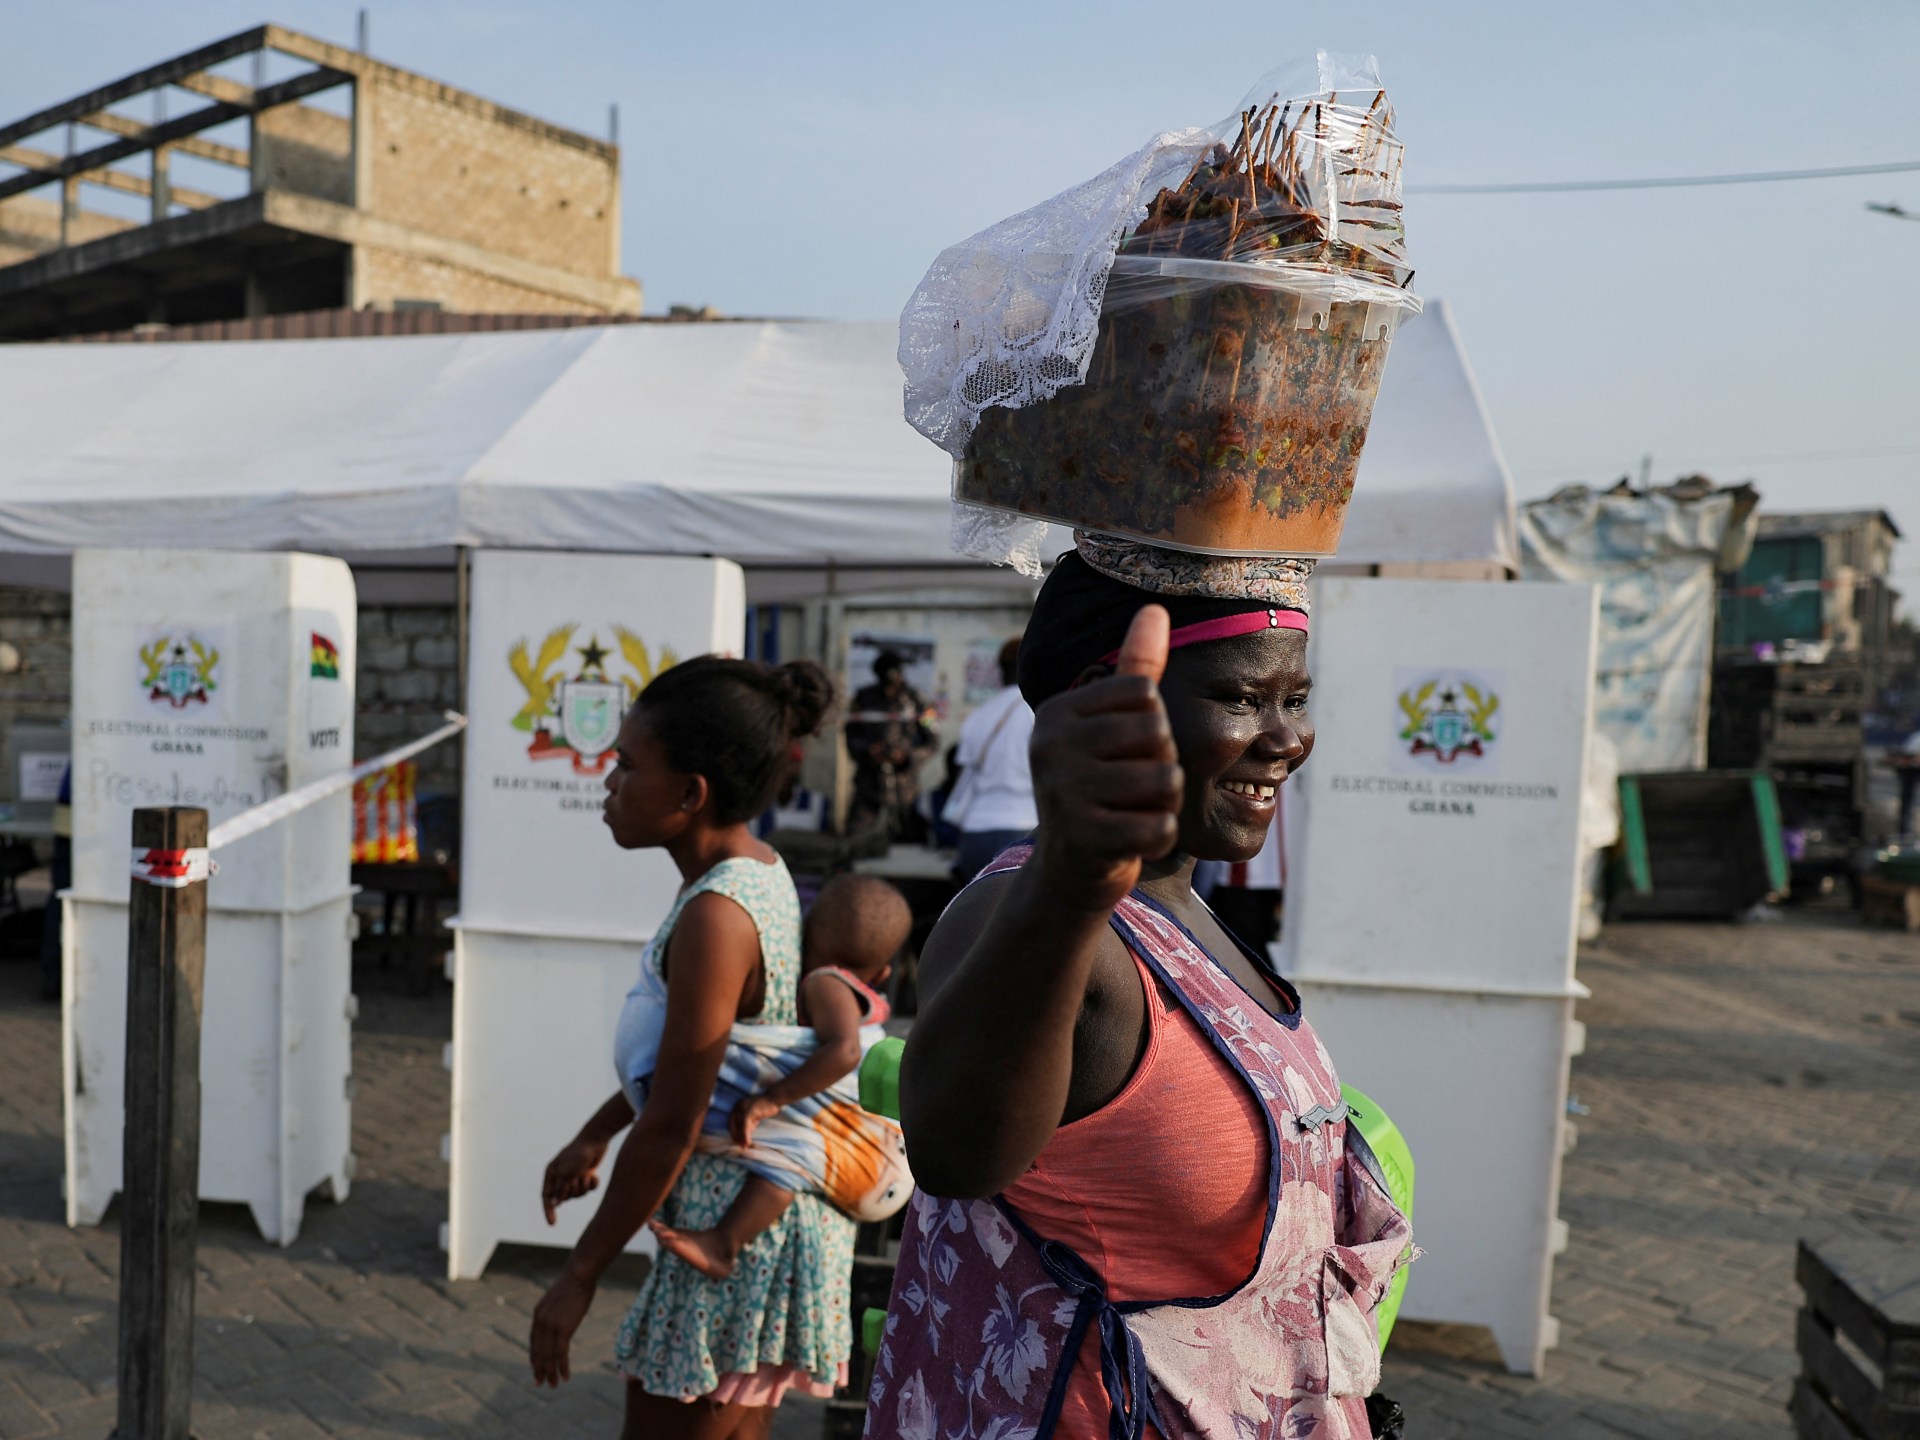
[(552, 913), (217, 680), (1433, 846)]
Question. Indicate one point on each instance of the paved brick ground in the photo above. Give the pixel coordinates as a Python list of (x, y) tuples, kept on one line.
[(1747, 1086), (352, 1331)]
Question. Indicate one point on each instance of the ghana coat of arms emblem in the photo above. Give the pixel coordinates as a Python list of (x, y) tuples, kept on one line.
[(178, 671), (1446, 718), (577, 717)]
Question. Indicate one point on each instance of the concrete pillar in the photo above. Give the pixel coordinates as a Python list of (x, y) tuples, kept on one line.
[(162, 184), (361, 194), (69, 197), (364, 104), (613, 192), (256, 155), (613, 218)]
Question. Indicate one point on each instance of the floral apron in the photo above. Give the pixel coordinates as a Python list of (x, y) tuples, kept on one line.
[(988, 1318)]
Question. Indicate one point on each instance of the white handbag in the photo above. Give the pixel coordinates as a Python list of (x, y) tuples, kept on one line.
[(960, 799)]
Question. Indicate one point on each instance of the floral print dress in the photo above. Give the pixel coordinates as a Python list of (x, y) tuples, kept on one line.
[(989, 1319), (782, 1318)]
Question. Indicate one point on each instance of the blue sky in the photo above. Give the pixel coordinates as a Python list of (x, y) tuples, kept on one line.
[(810, 159)]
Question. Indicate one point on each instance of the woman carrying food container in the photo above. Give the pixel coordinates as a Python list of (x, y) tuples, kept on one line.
[(1144, 1211), (699, 756)]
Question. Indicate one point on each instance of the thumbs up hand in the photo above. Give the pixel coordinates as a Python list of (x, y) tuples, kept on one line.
[(1144, 651), (1106, 775)]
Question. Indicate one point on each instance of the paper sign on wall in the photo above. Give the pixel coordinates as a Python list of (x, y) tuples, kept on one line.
[(916, 653), (40, 774)]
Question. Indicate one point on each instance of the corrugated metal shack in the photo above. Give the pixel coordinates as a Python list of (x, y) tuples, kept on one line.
[(1802, 655)]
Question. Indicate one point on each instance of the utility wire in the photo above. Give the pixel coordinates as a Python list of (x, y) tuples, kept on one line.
[(1668, 182), (1557, 472)]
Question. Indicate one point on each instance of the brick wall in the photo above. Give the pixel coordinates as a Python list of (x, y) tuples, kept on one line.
[(382, 277), (30, 225), (38, 624), (408, 677), (299, 147), (516, 189)]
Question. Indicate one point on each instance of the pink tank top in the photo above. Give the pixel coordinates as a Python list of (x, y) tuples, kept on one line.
[(1208, 1184)]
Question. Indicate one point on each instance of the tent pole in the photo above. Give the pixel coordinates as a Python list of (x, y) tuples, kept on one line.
[(462, 594)]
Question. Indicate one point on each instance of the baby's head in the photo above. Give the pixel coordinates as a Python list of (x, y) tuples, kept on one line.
[(859, 923)]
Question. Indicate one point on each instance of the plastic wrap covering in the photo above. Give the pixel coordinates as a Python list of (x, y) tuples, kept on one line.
[(1217, 297)]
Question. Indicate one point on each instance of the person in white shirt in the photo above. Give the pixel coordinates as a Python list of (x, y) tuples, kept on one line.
[(992, 805)]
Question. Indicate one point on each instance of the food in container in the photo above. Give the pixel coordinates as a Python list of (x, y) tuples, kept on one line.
[(1242, 335)]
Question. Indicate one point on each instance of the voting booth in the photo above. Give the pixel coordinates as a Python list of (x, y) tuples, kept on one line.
[(1433, 846), (217, 680), (553, 915)]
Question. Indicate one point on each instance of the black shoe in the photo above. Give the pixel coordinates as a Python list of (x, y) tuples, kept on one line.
[(1385, 1418)]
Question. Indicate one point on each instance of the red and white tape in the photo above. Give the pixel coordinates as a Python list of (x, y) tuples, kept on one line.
[(248, 822), (177, 869), (173, 869)]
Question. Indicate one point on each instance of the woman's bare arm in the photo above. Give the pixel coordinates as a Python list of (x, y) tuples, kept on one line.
[(988, 1073), (711, 959), (575, 1171)]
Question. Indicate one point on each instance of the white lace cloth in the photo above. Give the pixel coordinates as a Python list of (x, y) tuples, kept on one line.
[(1009, 317)]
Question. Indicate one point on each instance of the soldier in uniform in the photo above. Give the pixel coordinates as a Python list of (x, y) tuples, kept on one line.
[(888, 737)]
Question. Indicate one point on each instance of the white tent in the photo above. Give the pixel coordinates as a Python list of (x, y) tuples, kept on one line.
[(775, 444), (1433, 487)]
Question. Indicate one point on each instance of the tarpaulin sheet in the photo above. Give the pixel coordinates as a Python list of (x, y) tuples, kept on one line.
[(1654, 556)]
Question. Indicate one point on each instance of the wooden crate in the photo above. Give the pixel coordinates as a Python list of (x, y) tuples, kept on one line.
[(1697, 844), (1859, 1341), (1889, 902)]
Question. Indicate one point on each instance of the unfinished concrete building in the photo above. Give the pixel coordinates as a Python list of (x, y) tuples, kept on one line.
[(316, 178)]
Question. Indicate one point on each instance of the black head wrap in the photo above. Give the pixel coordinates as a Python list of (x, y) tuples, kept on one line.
[(1082, 616)]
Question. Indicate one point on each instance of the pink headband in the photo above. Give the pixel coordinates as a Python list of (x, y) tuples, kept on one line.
[(1226, 627)]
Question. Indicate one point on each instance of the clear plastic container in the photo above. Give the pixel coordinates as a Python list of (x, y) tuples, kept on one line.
[(1223, 411)]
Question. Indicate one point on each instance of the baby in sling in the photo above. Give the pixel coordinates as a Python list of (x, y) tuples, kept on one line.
[(787, 1103)]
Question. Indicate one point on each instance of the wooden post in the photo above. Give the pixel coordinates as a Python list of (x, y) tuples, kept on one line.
[(166, 964)]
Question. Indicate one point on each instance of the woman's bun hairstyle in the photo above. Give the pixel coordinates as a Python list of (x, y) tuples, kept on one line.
[(735, 722), (807, 694)]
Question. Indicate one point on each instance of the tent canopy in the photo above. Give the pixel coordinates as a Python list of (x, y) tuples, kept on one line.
[(775, 444)]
